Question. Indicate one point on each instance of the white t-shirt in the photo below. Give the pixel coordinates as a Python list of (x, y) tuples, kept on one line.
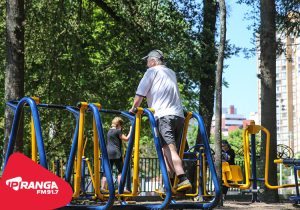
[(159, 86)]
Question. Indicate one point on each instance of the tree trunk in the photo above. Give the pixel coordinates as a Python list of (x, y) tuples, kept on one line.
[(218, 111), (268, 87), (208, 63), (14, 71)]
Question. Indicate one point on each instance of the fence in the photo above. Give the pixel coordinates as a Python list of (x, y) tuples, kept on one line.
[(151, 178)]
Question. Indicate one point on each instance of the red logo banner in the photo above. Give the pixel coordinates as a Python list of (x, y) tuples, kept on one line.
[(27, 185)]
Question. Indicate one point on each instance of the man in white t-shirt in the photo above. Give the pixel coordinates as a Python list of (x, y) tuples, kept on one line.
[(159, 86)]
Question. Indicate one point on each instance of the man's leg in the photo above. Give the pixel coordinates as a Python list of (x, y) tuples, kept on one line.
[(167, 130), (175, 162), (172, 158)]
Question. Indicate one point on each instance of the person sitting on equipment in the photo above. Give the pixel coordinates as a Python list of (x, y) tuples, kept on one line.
[(228, 155)]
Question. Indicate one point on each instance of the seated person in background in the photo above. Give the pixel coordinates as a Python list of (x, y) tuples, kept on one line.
[(228, 155)]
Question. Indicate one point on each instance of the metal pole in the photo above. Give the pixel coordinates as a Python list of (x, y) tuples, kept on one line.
[(253, 166)]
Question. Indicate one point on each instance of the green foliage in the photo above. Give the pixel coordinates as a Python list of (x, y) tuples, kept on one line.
[(235, 139), (79, 51), (192, 133), (288, 15), (285, 25)]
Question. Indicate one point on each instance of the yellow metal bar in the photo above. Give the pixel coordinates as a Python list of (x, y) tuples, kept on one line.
[(36, 99), (83, 107), (33, 142), (33, 136), (136, 156), (84, 146), (204, 175), (53, 166), (99, 195), (254, 129), (251, 129), (61, 169), (278, 161), (267, 164), (90, 171), (247, 183), (182, 145), (197, 181)]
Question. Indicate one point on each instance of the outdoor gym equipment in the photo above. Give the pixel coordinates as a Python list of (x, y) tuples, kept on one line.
[(256, 129), (168, 201), (295, 163), (94, 174), (203, 156), (37, 140), (79, 111), (99, 142), (37, 144), (252, 130), (232, 174)]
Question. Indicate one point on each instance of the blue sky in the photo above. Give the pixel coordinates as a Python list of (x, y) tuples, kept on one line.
[(241, 73)]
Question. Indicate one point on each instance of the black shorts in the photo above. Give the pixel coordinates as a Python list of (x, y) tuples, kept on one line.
[(118, 163), (170, 129)]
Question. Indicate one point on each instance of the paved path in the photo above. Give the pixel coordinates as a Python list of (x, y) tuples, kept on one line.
[(257, 206)]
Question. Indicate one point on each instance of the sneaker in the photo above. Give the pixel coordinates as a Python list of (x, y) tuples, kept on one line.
[(184, 186), (127, 191), (104, 191)]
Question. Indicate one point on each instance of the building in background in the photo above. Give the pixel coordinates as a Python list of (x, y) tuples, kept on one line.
[(287, 94), (230, 120)]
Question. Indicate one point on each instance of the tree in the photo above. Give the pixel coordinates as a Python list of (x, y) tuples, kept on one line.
[(14, 71), (208, 62), (82, 51), (267, 40), (218, 112)]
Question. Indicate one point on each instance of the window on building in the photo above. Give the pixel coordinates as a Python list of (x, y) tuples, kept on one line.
[(283, 62)]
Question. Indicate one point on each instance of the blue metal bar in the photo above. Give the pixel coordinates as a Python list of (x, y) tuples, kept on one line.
[(296, 198), (127, 160), (200, 178), (11, 105), (106, 164), (73, 150), (38, 132), (129, 116), (162, 163), (210, 162), (57, 171), (291, 162), (253, 169), (14, 103), (296, 168), (125, 176), (82, 181)]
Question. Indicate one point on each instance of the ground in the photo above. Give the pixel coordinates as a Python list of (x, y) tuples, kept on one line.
[(256, 206)]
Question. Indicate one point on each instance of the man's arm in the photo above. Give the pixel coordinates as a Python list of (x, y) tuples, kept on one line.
[(136, 102)]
